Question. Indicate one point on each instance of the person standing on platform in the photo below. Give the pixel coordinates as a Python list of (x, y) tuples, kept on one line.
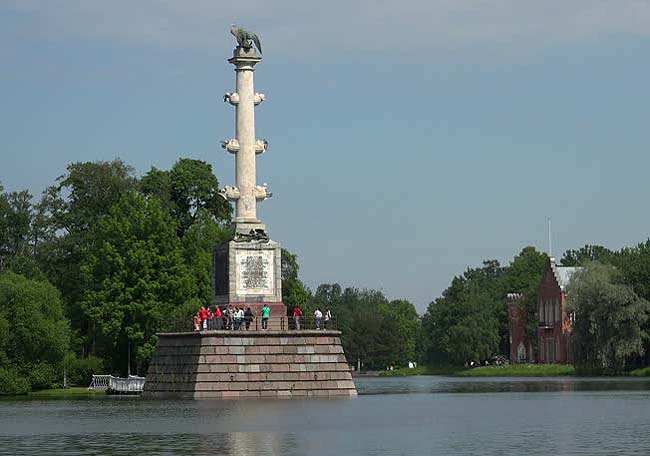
[(328, 317), (240, 317), (297, 315), (218, 318), (317, 317), (248, 318), (203, 313), (266, 314), (197, 322), (236, 322), (210, 318), (229, 313)]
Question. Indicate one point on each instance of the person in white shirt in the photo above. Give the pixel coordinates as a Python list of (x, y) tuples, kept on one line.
[(328, 317), (317, 316)]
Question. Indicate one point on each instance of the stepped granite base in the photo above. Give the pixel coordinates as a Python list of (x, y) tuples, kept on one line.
[(249, 364)]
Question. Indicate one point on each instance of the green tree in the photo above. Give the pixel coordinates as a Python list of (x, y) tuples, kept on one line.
[(464, 323), (609, 318), (197, 243), (404, 322), (34, 334), (294, 292), (188, 190), (67, 217), (634, 264), (587, 254), (135, 280), (473, 306)]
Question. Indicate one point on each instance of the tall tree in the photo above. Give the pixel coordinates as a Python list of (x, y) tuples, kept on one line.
[(610, 319), (587, 254), (189, 189), (135, 280), (72, 209), (17, 244)]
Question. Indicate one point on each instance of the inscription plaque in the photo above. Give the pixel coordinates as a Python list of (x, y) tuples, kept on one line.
[(254, 272)]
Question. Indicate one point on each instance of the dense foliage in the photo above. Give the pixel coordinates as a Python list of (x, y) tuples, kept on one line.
[(469, 322), (610, 323), (34, 334), (104, 260)]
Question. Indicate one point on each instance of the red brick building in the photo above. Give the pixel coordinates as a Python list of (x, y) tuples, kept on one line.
[(521, 348), (554, 324)]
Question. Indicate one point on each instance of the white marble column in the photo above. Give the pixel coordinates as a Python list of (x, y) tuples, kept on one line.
[(245, 146)]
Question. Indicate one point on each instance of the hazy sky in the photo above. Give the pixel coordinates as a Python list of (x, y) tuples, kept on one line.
[(408, 140)]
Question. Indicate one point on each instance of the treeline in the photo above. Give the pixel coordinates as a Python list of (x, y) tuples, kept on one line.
[(608, 298), (99, 264), (469, 322), (104, 260)]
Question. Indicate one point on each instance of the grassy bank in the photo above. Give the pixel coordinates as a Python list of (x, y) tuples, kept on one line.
[(422, 370), (644, 372), (520, 370), (65, 392), (514, 370)]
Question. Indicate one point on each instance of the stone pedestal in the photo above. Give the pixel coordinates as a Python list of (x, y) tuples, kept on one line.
[(248, 274), (249, 364)]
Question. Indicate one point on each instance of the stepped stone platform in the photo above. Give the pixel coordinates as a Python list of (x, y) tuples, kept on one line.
[(249, 364)]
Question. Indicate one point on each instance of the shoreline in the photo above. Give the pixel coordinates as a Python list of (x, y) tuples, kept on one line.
[(511, 370)]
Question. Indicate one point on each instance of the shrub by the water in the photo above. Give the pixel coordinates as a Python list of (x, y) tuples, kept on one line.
[(81, 371), (11, 383), (42, 376), (643, 372), (33, 334)]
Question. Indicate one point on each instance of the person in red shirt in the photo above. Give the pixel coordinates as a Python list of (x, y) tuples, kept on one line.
[(218, 318), (297, 316), (203, 313), (197, 322), (210, 318)]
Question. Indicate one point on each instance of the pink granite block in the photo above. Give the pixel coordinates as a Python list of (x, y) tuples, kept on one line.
[(237, 386), (250, 394), (231, 394)]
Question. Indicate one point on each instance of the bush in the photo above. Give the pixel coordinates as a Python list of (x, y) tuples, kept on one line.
[(643, 372), (42, 376), (12, 384), (81, 371)]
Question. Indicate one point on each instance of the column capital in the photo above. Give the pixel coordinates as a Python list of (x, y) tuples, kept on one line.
[(244, 59)]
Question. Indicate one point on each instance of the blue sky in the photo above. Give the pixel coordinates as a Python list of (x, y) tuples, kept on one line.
[(407, 140)]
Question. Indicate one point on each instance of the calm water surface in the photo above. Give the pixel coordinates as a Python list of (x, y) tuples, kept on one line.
[(393, 416)]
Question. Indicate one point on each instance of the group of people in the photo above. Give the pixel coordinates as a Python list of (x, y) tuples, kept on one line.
[(235, 318), (230, 317), (318, 317)]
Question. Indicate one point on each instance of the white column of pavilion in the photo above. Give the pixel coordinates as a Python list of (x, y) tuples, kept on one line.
[(245, 146)]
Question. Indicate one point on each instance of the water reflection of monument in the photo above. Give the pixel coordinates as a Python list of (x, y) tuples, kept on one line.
[(246, 270)]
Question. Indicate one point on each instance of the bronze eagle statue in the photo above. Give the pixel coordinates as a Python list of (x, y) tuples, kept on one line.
[(245, 39)]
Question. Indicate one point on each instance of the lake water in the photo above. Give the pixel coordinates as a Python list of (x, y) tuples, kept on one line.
[(392, 416)]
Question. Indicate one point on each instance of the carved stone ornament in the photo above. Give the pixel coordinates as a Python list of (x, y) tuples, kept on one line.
[(232, 145), (232, 98), (258, 235)]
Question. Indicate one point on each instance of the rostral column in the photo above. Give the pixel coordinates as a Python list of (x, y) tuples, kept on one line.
[(247, 269)]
